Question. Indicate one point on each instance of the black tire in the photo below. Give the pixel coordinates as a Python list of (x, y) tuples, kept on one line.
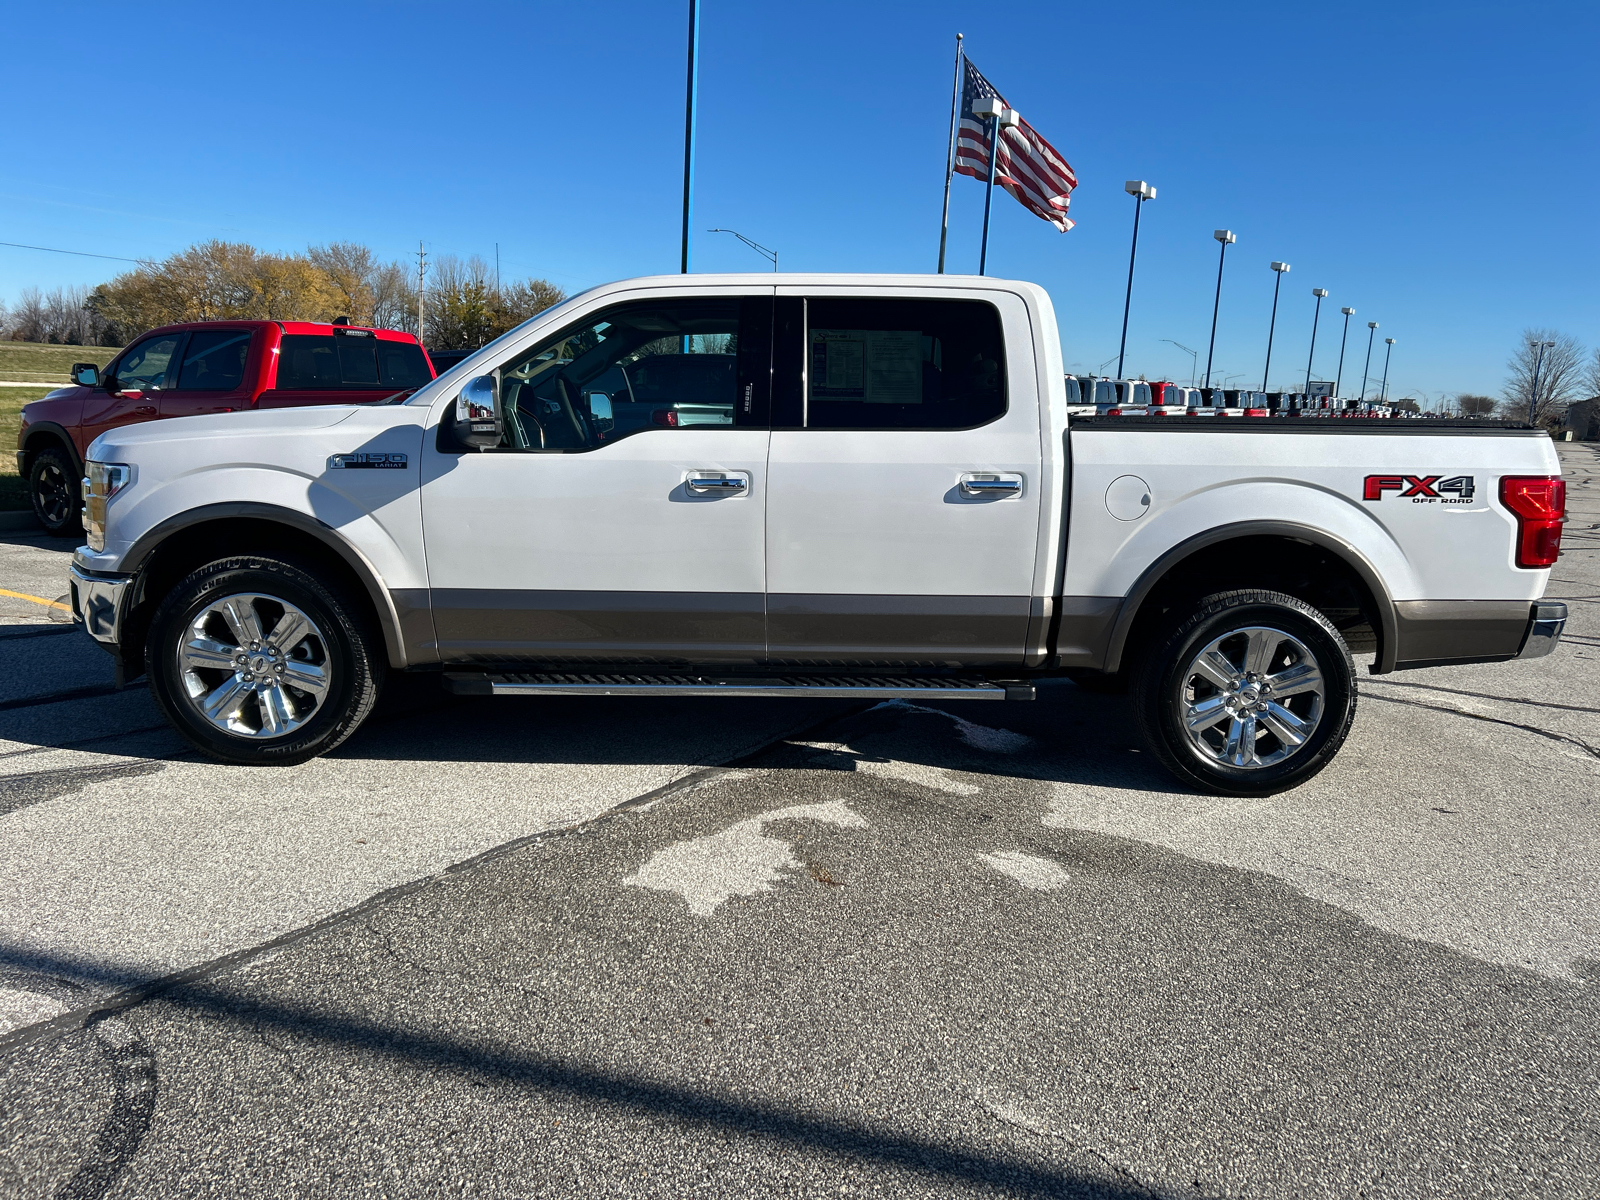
[(56, 490), (345, 650), (1164, 688)]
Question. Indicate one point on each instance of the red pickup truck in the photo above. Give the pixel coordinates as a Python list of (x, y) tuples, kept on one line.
[(204, 367)]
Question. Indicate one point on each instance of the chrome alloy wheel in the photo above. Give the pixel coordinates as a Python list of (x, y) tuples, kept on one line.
[(1251, 698), (254, 666)]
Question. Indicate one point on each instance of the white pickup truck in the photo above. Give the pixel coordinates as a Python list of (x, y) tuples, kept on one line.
[(803, 485)]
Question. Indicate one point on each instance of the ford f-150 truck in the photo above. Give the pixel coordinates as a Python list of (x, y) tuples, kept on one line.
[(807, 485), (203, 367)]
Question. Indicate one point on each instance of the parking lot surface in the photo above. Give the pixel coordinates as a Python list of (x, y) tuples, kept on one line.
[(735, 948)]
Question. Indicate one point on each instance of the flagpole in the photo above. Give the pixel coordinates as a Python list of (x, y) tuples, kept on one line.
[(950, 160), (688, 127)]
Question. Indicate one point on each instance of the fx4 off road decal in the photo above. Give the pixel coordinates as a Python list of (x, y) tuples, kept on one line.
[(1421, 489)]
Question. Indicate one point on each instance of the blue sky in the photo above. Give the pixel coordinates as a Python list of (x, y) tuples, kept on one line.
[(1432, 165)]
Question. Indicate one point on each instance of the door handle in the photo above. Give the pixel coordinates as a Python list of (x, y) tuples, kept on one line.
[(716, 485), (990, 485)]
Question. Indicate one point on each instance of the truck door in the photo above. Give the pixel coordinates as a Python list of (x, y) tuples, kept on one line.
[(211, 374), (621, 518), (136, 380), (903, 500)]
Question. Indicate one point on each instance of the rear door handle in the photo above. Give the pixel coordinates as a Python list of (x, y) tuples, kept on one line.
[(977, 483), (717, 485)]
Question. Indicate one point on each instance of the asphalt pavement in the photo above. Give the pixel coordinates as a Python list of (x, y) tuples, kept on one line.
[(734, 948)]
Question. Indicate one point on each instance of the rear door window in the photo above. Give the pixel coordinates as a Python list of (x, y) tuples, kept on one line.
[(903, 364), (214, 360)]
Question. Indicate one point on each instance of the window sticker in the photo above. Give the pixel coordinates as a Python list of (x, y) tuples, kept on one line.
[(872, 366)]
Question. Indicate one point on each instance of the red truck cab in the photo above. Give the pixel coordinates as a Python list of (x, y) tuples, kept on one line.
[(202, 368)]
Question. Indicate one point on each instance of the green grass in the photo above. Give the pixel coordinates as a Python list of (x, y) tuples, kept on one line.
[(13, 490), (28, 361)]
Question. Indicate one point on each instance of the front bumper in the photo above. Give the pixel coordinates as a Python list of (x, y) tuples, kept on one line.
[(1545, 625), (98, 601)]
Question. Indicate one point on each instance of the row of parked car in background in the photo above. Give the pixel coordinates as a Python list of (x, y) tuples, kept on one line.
[(1088, 395)]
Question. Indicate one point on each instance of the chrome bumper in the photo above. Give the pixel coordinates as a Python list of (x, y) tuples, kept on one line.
[(97, 602), (1545, 623)]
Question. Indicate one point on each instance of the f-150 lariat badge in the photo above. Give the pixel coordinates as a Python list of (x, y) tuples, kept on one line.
[(368, 461), (1421, 489)]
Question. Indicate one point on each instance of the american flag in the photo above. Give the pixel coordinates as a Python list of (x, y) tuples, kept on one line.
[(1031, 169)]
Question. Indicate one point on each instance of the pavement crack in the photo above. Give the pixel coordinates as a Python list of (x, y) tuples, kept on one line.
[(1428, 687), (1592, 751)]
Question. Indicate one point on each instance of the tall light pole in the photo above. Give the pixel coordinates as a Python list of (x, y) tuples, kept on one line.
[(1280, 270), (1538, 361), (1001, 118), (1225, 236), (1338, 379), (688, 128), (1366, 370), (1194, 357), (1383, 396), (770, 255), (1140, 191), (1321, 294)]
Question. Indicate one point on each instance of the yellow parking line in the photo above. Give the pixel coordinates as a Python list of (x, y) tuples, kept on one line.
[(36, 600)]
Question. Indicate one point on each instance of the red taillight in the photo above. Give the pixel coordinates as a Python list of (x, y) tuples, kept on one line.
[(665, 416), (1539, 503)]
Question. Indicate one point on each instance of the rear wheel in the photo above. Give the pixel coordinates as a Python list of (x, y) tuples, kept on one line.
[(55, 489), (256, 661), (1251, 694)]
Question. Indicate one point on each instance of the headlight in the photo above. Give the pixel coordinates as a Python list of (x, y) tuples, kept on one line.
[(103, 481)]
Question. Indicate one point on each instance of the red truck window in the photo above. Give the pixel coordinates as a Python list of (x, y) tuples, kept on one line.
[(321, 361), (214, 360)]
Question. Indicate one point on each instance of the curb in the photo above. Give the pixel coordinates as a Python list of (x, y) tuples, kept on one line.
[(19, 522)]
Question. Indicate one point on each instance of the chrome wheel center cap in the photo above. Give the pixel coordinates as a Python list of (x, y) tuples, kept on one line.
[(259, 663), (1249, 695)]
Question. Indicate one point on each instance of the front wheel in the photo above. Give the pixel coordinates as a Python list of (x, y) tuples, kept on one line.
[(55, 490), (1253, 693), (256, 661)]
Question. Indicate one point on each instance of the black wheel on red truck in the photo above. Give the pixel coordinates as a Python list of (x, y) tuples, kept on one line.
[(1251, 693), (257, 661), (56, 490)]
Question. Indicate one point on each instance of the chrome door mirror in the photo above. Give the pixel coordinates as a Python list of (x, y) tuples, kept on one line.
[(476, 422), (85, 374)]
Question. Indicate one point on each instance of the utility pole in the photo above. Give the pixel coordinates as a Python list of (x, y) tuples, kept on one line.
[(422, 271)]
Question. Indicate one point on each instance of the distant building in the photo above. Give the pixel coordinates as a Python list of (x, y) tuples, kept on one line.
[(1583, 419)]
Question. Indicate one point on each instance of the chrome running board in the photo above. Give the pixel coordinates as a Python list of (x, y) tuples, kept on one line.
[(843, 687)]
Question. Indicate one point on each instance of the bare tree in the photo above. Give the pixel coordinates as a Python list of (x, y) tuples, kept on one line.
[(1558, 368), (1591, 381), (1475, 406)]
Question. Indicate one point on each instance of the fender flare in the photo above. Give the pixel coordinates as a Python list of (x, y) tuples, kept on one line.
[(383, 604), (1388, 631), (50, 431)]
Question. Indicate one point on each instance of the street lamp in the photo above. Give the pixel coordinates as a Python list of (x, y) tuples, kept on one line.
[(1225, 236), (1339, 378), (770, 255), (1194, 357), (1140, 191), (1000, 117), (1321, 294), (1280, 269), (1533, 400), (1383, 396), (1366, 369)]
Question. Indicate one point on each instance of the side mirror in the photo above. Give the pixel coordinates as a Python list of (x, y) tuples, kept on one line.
[(476, 422), (85, 374), (600, 410)]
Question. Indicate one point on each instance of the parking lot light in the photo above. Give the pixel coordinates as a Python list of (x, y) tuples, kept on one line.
[(1225, 236), (1383, 396), (1339, 378), (1321, 294), (1366, 369), (1140, 191), (1279, 269)]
